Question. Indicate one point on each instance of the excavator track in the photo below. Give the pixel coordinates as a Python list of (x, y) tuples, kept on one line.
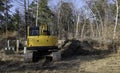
[(45, 60)]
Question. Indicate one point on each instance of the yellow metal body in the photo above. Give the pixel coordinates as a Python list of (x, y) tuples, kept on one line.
[(38, 41), (43, 39)]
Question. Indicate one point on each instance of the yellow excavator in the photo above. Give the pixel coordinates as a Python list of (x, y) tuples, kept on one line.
[(40, 44)]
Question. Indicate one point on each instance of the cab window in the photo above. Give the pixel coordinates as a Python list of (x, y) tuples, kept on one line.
[(34, 31)]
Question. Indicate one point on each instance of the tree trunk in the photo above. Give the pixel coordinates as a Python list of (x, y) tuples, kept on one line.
[(37, 13), (97, 25), (77, 27), (25, 12), (116, 19)]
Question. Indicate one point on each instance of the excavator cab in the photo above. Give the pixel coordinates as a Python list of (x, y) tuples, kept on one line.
[(36, 30), (33, 31)]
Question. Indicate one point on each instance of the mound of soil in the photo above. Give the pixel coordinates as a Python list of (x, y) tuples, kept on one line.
[(76, 47)]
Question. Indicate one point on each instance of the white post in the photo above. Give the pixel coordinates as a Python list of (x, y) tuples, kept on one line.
[(5, 48), (25, 47), (25, 50), (17, 46), (13, 48), (8, 43)]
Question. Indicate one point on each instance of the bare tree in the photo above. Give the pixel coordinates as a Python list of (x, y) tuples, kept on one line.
[(77, 26), (94, 17), (116, 19), (83, 27)]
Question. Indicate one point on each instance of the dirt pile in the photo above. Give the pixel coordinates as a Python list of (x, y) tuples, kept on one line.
[(76, 47)]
